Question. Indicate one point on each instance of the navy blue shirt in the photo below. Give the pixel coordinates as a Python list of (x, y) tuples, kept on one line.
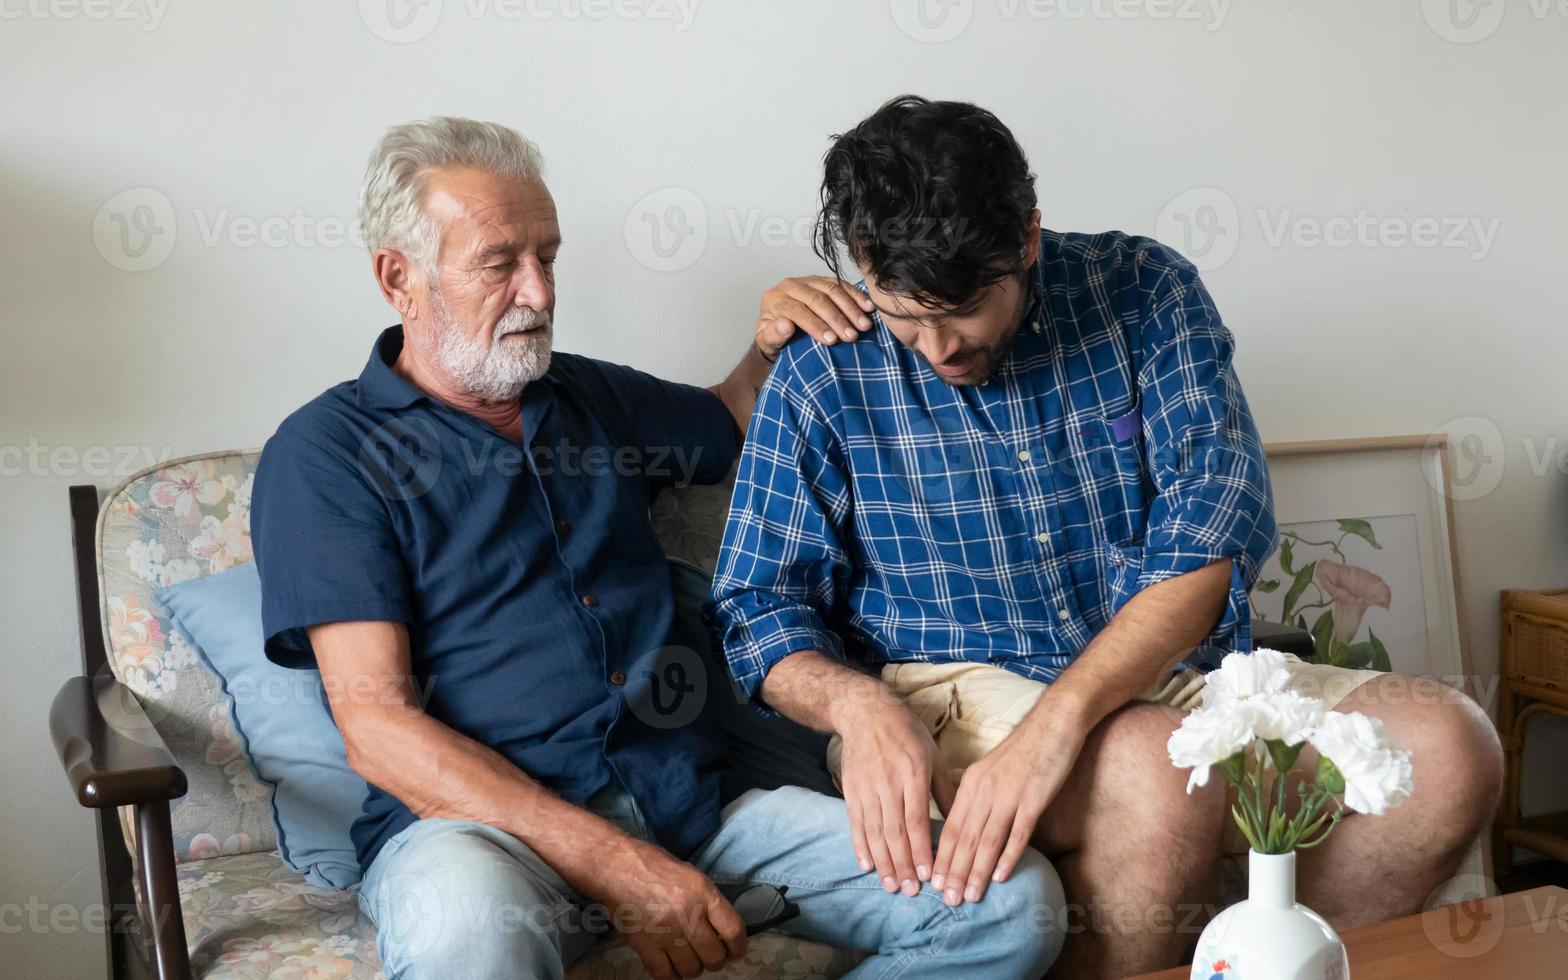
[(528, 575)]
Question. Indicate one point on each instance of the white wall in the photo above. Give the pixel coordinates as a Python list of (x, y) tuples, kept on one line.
[(244, 111)]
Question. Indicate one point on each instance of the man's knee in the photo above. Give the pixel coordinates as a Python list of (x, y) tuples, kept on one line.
[(1024, 917), (463, 901), (1456, 753)]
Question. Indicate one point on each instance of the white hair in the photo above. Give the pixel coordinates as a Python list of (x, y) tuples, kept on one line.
[(392, 198)]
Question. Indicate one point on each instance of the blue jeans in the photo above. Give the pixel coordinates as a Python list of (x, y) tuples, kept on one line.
[(457, 899)]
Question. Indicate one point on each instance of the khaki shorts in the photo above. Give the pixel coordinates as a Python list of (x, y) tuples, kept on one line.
[(969, 708)]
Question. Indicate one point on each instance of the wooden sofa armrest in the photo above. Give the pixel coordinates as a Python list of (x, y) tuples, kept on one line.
[(113, 756)]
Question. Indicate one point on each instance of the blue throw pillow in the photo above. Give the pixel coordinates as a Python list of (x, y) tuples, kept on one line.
[(283, 723)]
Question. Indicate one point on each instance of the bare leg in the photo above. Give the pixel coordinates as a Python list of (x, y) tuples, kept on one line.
[(1376, 868), (1136, 854)]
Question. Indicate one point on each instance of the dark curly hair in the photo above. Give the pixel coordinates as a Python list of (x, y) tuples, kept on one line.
[(933, 198)]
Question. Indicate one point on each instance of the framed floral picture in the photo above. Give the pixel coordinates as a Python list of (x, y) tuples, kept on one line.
[(1366, 558)]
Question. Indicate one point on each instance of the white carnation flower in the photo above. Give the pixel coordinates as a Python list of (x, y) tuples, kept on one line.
[(1208, 736), (1243, 675), (1377, 772), (1284, 716)]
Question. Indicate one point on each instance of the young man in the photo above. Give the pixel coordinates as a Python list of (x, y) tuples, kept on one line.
[(982, 537), (466, 526)]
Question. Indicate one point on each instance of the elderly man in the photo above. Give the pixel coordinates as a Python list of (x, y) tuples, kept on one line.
[(466, 525), (1021, 499)]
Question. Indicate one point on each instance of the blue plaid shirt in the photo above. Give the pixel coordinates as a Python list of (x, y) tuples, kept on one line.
[(879, 507)]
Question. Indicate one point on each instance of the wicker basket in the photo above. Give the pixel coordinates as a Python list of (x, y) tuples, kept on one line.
[(1535, 638)]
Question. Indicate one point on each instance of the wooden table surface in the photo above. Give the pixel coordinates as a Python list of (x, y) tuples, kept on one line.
[(1511, 937)]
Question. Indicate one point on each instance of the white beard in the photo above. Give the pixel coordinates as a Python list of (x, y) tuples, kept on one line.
[(500, 370)]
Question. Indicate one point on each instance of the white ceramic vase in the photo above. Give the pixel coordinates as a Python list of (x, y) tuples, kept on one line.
[(1270, 936)]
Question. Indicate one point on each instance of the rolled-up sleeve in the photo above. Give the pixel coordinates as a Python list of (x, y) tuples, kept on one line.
[(782, 567), (1213, 500)]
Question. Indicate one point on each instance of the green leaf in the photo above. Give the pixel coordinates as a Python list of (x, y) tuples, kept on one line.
[(1323, 637), (1246, 830), (1303, 579), (1360, 529), (1267, 586), (1287, 554), (1329, 779), (1356, 656), (1284, 756), (1379, 660), (1276, 836), (1234, 769)]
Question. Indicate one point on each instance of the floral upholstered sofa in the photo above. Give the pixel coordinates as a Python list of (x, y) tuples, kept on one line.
[(245, 913)]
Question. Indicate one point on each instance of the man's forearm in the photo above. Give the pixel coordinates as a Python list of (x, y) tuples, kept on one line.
[(822, 693), (439, 773), (739, 391), (1151, 632)]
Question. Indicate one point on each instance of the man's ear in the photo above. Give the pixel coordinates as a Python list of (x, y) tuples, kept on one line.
[(1032, 239), (396, 276)]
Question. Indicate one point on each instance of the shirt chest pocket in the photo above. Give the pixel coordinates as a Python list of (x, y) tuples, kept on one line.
[(1115, 476)]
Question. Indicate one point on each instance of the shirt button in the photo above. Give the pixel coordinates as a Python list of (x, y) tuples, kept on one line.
[(617, 678), (590, 601), (563, 528), (1042, 537), (1063, 615), (1023, 455)]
